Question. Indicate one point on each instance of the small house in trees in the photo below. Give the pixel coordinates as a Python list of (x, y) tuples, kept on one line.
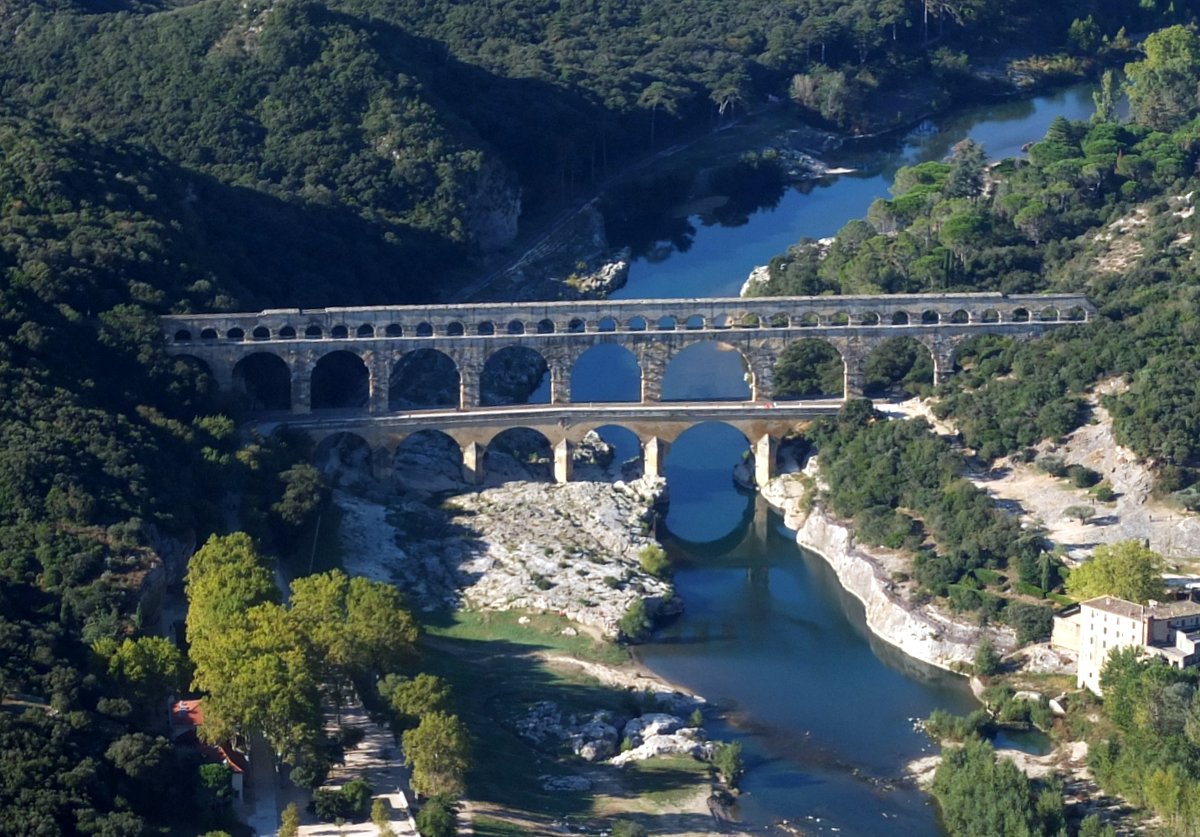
[(186, 718)]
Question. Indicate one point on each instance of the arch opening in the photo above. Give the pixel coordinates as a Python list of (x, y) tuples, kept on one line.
[(960, 317), (807, 320), (576, 326), (393, 330), (365, 330), (287, 333), (313, 332), (840, 318), (265, 381), (486, 329), (1020, 315), (708, 371), (809, 368), (666, 323), (900, 318), (1075, 315), (930, 318), (455, 329), (989, 315), (637, 324), (607, 372), (424, 329), (515, 375), (519, 453), (208, 334), (339, 332), (516, 327), (427, 461), (236, 334), (261, 333), (1048, 315), (424, 379), (340, 381), (545, 327), (606, 324), (694, 322), (899, 367), (183, 336), (706, 505), (609, 452), (870, 318), (779, 321)]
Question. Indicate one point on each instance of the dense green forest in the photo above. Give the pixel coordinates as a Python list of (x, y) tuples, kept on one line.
[(222, 154)]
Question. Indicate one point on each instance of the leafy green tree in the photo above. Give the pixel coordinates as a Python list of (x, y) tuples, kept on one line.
[(436, 817), (414, 698), (1126, 569), (439, 753), (987, 659), (727, 759), (1162, 87), (147, 668)]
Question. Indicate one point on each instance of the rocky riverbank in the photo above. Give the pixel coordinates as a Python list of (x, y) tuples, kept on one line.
[(921, 631)]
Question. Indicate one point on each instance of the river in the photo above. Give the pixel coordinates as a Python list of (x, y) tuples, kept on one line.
[(824, 711)]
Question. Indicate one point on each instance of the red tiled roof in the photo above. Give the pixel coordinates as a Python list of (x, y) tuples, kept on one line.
[(187, 713)]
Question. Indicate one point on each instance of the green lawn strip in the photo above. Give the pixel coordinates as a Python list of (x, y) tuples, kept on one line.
[(666, 781), (492, 827), (544, 630)]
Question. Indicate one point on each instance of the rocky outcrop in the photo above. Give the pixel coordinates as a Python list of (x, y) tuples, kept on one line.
[(493, 207), (922, 632), (759, 276), (569, 549), (601, 281), (594, 737)]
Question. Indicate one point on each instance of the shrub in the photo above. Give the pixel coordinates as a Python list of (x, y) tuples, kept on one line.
[(1104, 493), (654, 561), (635, 623), (987, 660), (1082, 477), (627, 828), (1052, 465), (727, 759), (1032, 623), (436, 817)]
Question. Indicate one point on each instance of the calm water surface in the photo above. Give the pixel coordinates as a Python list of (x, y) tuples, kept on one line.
[(824, 711)]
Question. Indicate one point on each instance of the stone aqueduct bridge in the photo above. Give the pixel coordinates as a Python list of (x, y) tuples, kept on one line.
[(654, 331)]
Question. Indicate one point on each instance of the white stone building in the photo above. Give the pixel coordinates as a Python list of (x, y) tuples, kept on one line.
[(1169, 630)]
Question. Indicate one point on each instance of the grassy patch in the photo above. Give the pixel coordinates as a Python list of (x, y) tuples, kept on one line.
[(492, 827), (544, 630), (666, 781)]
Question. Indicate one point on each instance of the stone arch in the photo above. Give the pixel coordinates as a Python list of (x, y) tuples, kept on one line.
[(749, 321), (183, 336), (519, 453), (808, 319), (1075, 315), (261, 333), (606, 324), (707, 370), (930, 317), (869, 318), (898, 366), (720, 321), (809, 368), (340, 381), (425, 329), (486, 328), (236, 333), (427, 461), (208, 334), (365, 330), (839, 318), (607, 372), (199, 365), (723, 451), (287, 333), (455, 329), (900, 318), (393, 330), (266, 381), (545, 326), (1049, 314), (424, 379), (515, 327), (779, 321), (960, 317), (1020, 315), (620, 453), (694, 322), (666, 323), (577, 325), (514, 375), (339, 332), (344, 458), (313, 332), (989, 315), (637, 324)]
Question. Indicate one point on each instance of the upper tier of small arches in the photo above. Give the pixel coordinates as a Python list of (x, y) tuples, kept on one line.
[(378, 329)]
